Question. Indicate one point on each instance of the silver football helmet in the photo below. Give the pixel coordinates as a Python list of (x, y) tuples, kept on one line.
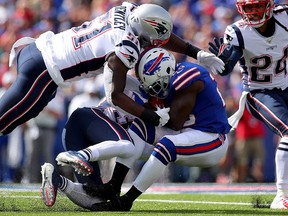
[(152, 24), (154, 70)]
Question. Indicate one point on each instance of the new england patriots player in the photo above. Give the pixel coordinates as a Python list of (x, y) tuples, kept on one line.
[(101, 133), (259, 43), (197, 115), (104, 130), (112, 41)]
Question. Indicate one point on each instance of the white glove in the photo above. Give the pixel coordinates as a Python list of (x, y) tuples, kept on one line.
[(164, 116), (211, 61)]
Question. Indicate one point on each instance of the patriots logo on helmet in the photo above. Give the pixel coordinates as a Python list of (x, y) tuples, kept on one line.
[(160, 28), (154, 65), (130, 58)]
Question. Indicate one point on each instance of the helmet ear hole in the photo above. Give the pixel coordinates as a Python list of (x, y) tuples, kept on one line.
[(168, 70)]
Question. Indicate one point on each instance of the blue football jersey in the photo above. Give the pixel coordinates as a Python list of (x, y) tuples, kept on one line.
[(209, 113)]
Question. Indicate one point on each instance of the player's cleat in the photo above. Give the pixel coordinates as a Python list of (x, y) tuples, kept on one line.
[(280, 202), (48, 189), (77, 161), (118, 204), (105, 191)]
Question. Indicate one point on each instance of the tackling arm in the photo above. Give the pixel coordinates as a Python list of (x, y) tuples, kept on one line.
[(231, 62), (208, 60), (228, 53), (115, 73), (176, 44)]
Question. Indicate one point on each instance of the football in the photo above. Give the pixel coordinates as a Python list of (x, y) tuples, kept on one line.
[(156, 102)]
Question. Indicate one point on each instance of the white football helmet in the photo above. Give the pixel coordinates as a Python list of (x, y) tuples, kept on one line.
[(152, 24), (154, 70), (248, 16)]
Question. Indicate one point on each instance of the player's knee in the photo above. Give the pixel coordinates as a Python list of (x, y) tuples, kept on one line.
[(128, 148), (165, 151)]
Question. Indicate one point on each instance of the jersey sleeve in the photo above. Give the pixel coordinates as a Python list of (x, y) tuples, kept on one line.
[(184, 77), (128, 50)]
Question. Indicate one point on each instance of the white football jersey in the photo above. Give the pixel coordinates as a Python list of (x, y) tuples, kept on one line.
[(264, 62), (81, 51)]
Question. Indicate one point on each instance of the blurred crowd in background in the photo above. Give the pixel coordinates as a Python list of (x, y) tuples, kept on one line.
[(250, 157)]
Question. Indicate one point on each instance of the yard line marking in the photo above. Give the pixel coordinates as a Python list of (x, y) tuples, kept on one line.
[(151, 200), (194, 202), (25, 197)]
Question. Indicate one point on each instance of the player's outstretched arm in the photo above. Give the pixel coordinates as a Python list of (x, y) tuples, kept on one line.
[(229, 54), (115, 73), (208, 60)]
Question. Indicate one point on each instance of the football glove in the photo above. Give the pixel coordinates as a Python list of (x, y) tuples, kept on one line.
[(164, 116), (223, 51), (210, 61)]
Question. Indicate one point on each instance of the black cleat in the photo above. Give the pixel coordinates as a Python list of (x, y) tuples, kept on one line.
[(105, 191), (118, 204)]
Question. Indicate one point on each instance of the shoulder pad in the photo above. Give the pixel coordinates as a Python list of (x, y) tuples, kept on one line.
[(128, 51)]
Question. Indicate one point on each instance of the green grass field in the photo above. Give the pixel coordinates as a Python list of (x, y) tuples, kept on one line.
[(15, 202)]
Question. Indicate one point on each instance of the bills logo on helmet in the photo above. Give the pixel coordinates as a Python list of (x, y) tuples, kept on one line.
[(153, 65), (160, 28)]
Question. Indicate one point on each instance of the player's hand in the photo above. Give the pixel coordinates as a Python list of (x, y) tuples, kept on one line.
[(223, 51), (164, 116), (211, 61)]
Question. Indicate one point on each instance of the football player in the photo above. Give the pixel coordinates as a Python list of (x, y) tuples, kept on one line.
[(200, 136), (259, 43), (101, 132), (111, 41), (102, 125)]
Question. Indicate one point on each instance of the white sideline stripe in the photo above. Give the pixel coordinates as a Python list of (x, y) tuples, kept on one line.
[(194, 202), (148, 200)]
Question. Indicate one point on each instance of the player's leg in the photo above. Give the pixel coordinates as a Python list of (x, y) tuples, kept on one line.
[(112, 189), (52, 181), (193, 148), (269, 106), (29, 94), (85, 130)]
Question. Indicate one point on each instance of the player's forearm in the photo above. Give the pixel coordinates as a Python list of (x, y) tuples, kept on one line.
[(177, 44), (230, 64), (128, 105)]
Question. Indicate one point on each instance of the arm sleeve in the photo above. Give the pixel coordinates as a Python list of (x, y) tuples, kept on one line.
[(235, 56)]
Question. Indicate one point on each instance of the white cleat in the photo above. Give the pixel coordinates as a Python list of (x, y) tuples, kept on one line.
[(48, 190), (75, 160), (280, 202)]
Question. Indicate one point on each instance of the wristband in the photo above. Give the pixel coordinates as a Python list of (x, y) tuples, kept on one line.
[(192, 50), (150, 116)]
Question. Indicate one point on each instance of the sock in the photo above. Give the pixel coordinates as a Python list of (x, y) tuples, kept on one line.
[(107, 150), (281, 160), (118, 176), (132, 194), (75, 192), (59, 181), (85, 153), (151, 172)]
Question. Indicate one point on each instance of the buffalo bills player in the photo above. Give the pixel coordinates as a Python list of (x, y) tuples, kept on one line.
[(102, 125), (259, 43), (199, 137), (101, 131), (112, 41)]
